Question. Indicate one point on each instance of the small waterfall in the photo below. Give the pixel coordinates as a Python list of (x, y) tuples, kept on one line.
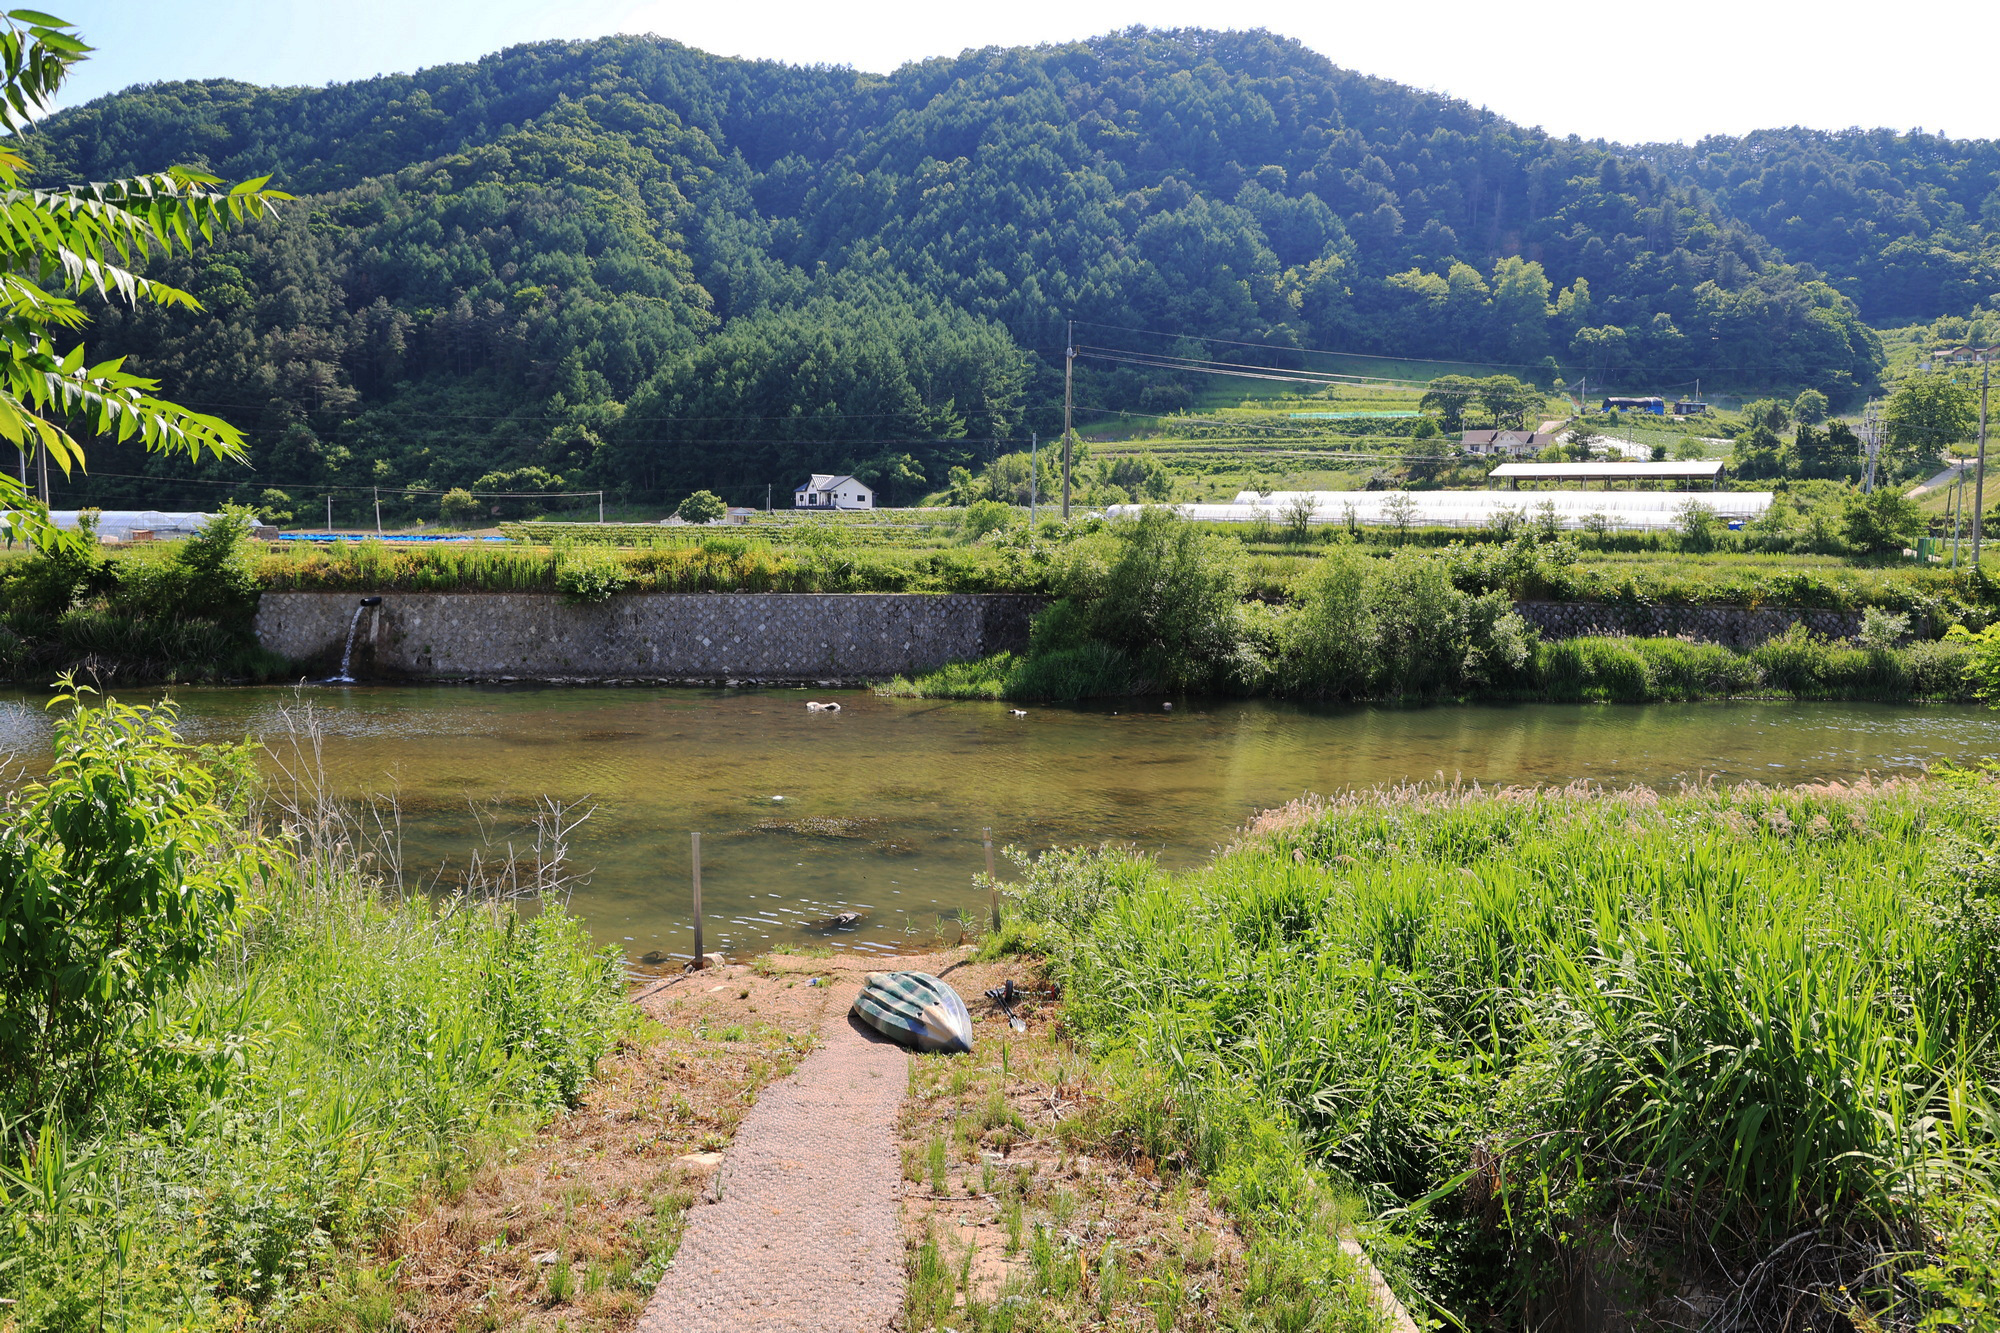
[(347, 654)]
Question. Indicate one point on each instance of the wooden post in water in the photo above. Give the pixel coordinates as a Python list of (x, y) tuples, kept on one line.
[(697, 900), (992, 884)]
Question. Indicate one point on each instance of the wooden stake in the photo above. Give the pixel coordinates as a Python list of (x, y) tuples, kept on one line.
[(697, 900), (992, 884)]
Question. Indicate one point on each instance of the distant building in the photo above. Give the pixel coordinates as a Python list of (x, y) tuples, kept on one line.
[(826, 491), (1508, 443), (1690, 407), (1657, 406)]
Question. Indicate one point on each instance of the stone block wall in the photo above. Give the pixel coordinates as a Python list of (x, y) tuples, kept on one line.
[(795, 638), (1735, 626), (764, 638)]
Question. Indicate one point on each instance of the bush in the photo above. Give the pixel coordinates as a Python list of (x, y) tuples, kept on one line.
[(1326, 644), (1169, 600), (984, 516), (1882, 521), (120, 873), (1881, 629), (1981, 661), (587, 574), (459, 506), (49, 582), (1430, 638), (702, 507)]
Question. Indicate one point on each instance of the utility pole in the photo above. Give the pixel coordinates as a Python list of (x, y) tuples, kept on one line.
[(1871, 433), (1034, 476), (329, 511), (1069, 375), (378, 511), (1957, 511), (767, 497), (44, 456), (600, 506), (1979, 472)]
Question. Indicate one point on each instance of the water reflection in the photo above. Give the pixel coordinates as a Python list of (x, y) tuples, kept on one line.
[(878, 809)]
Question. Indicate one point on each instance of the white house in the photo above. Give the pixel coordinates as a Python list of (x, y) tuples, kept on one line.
[(825, 491)]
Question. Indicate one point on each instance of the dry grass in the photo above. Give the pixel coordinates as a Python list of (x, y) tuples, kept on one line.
[(573, 1226)]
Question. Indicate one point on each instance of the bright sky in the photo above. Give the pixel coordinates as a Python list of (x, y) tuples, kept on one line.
[(1633, 73)]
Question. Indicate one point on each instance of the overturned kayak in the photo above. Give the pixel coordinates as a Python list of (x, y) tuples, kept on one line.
[(915, 1009)]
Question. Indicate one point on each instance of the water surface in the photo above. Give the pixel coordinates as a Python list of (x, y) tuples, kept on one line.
[(879, 808)]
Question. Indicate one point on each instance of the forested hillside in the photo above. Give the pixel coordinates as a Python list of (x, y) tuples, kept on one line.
[(632, 265)]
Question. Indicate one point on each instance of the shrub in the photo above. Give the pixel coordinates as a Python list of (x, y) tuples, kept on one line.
[(588, 574), (702, 507), (984, 516), (1430, 637), (120, 873), (1169, 599), (1882, 629), (1883, 521), (1981, 663), (459, 505), (1326, 645), (56, 578)]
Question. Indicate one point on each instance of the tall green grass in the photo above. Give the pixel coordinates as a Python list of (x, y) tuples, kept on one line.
[(350, 1047), (1565, 1036)]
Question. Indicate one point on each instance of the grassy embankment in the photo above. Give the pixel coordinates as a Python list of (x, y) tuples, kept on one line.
[(183, 611), (238, 1056), (1574, 1047)]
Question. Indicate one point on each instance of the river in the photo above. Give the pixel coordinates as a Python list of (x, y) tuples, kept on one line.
[(878, 808)]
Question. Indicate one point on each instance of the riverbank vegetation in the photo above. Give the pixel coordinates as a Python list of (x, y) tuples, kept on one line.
[(237, 1048), (1236, 609), (1156, 605), (179, 611), (1720, 1057)]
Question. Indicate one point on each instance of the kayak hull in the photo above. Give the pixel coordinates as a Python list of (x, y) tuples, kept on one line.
[(915, 1009)]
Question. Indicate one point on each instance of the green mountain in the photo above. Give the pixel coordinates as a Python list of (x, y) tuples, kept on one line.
[(637, 266)]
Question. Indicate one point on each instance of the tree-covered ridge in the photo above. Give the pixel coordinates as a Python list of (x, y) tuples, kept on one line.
[(497, 259)]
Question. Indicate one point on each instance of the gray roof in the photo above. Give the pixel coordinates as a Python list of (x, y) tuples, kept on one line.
[(828, 481)]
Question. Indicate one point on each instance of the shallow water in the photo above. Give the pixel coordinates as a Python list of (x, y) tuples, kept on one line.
[(883, 803)]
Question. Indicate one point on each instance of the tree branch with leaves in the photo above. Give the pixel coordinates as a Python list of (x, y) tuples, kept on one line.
[(58, 245)]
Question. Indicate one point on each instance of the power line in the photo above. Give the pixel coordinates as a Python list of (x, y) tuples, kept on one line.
[(1312, 351)]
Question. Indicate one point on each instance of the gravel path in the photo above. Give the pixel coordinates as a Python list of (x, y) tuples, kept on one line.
[(807, 1235)]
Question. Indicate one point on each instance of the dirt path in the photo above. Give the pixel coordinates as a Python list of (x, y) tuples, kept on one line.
[(806, 1234)]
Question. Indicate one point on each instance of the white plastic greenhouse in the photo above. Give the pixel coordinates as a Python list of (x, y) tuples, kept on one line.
[(1473, 509)]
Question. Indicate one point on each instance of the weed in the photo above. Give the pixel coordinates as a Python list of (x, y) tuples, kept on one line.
[(936, 1163), (562, 1280)]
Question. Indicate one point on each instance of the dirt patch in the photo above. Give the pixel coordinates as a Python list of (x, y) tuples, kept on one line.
[(1026, 1208)]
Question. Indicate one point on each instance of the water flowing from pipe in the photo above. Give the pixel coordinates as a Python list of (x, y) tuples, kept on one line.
[(346, 676), (347, 654)]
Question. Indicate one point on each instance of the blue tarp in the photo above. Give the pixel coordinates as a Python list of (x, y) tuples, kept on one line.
[(329, 537)]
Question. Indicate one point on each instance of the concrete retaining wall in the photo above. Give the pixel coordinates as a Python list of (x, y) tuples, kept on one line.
[(767, 638)]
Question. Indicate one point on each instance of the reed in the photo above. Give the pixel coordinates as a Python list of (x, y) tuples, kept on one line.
[(1749, 1031)]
